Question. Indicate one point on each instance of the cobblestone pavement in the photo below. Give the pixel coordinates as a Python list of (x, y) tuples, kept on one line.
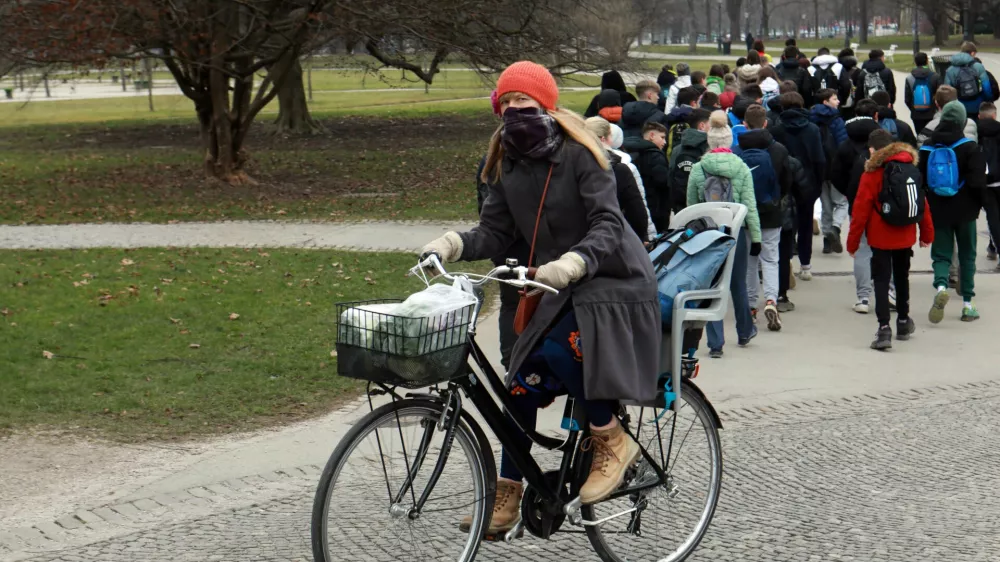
[(906, 476)]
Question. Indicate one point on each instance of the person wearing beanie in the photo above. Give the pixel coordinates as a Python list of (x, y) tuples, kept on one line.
[(611, 80), (730, 84), (630, 198), (683, 81), (747, 75), (954, 215), (727, 99), (542, 160), (717, 167), (609, 105)]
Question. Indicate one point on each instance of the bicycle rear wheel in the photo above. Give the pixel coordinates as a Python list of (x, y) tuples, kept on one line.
[(672, 518), (363, 508)]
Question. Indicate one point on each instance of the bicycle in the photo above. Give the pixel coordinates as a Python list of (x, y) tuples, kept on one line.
[(642, 520)]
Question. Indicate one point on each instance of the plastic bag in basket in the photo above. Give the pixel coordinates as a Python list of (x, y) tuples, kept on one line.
[(360, 325), (435, 318)]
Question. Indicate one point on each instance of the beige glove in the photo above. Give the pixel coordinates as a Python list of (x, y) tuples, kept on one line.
[(560, 273), (448, 247)]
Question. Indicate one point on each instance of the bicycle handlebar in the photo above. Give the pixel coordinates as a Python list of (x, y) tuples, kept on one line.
[(524, 276)]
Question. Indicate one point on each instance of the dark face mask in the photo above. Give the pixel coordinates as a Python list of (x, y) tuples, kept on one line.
[(529, 132)]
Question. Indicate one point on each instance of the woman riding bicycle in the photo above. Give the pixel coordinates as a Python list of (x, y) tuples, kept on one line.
[(599, 338)]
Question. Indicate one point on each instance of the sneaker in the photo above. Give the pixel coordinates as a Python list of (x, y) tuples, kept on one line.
[(715, 353), (614, 453), (805, 274), (826, 245), (862, 306), (883, 339), (745, 342), (773, 320), (815, 227), (753, 315), (904, 327), (785, 305), (892, 299), (970, 313), (834, 239), (506, 509), (936, 315)]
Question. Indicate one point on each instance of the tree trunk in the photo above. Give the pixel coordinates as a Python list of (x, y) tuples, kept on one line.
[(863, 32), (708, 22), (939, 21), (293, 110), (692, 29), (764, 23), (816, 18), (734, 7), (995, 10)]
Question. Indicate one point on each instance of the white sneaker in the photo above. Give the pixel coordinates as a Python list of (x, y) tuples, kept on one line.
[(862, 307), (805, 275)]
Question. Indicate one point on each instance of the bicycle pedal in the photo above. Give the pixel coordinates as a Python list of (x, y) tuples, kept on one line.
[(502, 536)]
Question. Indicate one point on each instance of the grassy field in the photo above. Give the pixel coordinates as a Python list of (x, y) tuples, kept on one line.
[(986, 44), (153, 343)]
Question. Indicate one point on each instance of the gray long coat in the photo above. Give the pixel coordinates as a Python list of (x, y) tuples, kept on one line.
[(616, 303)]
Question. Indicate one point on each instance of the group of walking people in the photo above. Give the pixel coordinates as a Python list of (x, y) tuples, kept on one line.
[(582, 198)]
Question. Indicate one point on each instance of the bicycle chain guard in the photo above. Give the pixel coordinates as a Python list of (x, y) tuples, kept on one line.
[(537, 519)]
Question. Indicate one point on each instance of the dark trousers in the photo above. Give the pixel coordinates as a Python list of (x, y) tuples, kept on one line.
[(805, 210), (946, 236), (785, 247), (991, 204), (919, 125), (554, 368), (886, 266), (509, 299)]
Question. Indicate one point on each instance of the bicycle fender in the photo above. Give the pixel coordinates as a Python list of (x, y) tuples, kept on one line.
[(689, 386)]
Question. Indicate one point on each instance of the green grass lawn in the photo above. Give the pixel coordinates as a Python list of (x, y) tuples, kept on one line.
[(147, 343), (904, 42)]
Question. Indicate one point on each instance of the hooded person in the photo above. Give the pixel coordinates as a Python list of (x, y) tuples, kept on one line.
[(720, 162), (790, 68), (874, 76), (608, 293), (858, 130), (666, 78), (955, 214), (850, 70), (826, 73), (611, 80), (918, 92), (609, 105), (969, 78), (683, 81)]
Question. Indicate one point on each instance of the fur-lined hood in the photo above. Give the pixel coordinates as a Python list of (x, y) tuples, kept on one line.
[(895, 152)]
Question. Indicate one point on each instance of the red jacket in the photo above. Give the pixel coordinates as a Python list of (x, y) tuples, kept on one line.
[(866, 218)]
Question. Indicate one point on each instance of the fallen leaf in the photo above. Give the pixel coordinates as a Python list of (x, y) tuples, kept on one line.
[(127, 261), (175, 320), (48, 354), (333, 353), (185, 332), (194, 345), (234, 316)]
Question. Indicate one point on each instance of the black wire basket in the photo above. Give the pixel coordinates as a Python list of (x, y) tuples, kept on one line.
[(377, 346)]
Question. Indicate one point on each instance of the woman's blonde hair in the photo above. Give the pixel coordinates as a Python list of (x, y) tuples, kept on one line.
[(599, 126), (572, 125)]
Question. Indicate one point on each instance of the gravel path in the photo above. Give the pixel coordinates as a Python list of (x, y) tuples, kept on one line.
[(365, 236)]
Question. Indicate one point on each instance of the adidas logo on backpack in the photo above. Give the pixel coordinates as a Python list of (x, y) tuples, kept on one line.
[(901, 201)]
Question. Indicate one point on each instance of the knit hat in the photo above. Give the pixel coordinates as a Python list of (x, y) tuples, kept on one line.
[(617, 136), (719, 133), (954, 112), (531, 79), (727, 99)]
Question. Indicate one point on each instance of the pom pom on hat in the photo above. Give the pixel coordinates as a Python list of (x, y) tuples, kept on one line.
[(617, 137), (531, 79), (719, 133)]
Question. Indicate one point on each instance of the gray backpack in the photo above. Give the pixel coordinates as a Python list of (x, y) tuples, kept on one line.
[(717, 189)]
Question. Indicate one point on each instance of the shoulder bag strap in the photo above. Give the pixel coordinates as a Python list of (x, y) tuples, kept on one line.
[(538, 219)]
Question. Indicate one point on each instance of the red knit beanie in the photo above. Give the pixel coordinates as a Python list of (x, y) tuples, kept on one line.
[(531, 79)]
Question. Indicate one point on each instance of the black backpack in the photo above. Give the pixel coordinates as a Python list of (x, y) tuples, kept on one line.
[(829, 145), (795, 75), (679, 174), (901, 200), (967, 83), (825, 78), (990, 146)]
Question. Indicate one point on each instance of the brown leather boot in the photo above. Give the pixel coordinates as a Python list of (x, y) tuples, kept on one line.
[(506, 508), (614, 452)]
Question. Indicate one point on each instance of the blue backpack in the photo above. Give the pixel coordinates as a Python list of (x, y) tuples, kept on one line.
[(922, 95), (737, 131), (890, 126), (942, 168), (766, 188), (733, 119), (688, 259)]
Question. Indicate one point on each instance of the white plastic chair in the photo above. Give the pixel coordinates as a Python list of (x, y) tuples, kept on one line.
[(671, 352), (855, 46), (935, 51)]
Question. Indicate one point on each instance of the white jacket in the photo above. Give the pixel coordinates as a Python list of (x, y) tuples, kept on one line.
[(627, 160), (682, 82)]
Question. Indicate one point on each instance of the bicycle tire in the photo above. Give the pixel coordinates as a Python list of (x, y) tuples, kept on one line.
[(694, 399), (469, 436)]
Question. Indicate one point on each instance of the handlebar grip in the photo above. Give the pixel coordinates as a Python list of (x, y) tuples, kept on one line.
[(531, 273)]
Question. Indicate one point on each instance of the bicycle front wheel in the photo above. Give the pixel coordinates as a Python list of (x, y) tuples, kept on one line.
[(664, 523), (364, 506)]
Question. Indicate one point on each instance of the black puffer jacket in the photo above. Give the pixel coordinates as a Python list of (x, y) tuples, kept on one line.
[(791, 70), (964, 206), (874, 66), (858, 130), (635, 115), (655, 174), (802, 138), (629, 197), (610, 80), (770, 217)]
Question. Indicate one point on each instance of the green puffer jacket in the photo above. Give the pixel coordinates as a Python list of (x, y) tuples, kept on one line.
[(728, 165)]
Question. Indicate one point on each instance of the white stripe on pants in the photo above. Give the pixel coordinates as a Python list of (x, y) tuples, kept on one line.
[(767, 263)]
